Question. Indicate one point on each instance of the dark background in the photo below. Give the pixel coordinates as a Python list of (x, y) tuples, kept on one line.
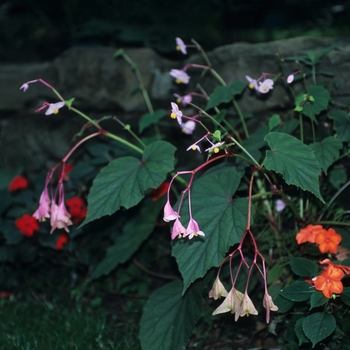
[(39, 30)]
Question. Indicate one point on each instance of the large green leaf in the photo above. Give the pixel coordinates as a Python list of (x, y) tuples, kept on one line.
[(341, 124), (317, 299), (295, 161), (222, 219), (123, 181), (298, 329), (297, 291), (225, 93), (303, 267), (134, 233), (327, 151), (150, 119), (314, 102), (169, 318), (318, 326)]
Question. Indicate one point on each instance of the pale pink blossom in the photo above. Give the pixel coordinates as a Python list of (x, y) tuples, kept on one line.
[(266, 86), (176, 113), (194, 147), (232, 302), (188, 127), (253, 84), (247, 306), (290, 78), (269, 306), (24, 87), (185, 100), (169, 213), (178, 229), (180, 46), (44, 206), (54, 107), (215, 147), (193, 229), (181, 76), (60, 218)]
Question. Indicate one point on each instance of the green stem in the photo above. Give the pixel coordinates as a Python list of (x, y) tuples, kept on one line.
[(244, 125), (124, 142), (127, 128), (301, 127)]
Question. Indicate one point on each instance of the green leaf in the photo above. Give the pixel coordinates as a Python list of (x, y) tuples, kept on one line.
[(327, 151), (341, 124), (317, 299), (337, 177), (124, 180), (219, 95), (134, 234), (303, 267), (169, 318), (220, 217), (275, 273), (274, 121), (237, 87), (150, 119), (283, 304), (297, 291), (345, 296), (298, 329), (69, 102), (224, 94), (314, 102), (318, 326), (294, 160)]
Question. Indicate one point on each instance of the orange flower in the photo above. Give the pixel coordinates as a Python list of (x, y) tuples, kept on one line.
[(308, 233), (329, 281), (328, 241)]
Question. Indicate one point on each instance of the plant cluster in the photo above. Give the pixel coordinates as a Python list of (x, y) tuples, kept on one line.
[(245, 218)]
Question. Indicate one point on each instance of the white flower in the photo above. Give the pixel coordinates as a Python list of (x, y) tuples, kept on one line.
[(181, 76), (188, 127), (176, 113), (180, 46), (290, 78), (252, 83), (266, 86), (54, 107), (194, 147), (215, 147)]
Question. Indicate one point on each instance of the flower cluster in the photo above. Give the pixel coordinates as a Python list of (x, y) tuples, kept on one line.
[(187, 127), (53, 207), (261, 86), (27, 225), (327, 240), (19, 182)]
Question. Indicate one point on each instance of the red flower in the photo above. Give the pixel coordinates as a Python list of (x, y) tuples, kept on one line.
[(27, 225), (328, 241), (62, 240), (77, 209), (160, 191), (18, 183), (329, 281)]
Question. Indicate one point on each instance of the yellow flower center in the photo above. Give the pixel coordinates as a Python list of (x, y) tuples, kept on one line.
[(216, 150), (178, 48), (173, 115), (251, 86), (178, 100), (265, 88), (55, 111), (180, 81), (194, 148)]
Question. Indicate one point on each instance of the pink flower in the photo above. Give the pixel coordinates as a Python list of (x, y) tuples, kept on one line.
[(193, 229), (178, 230), (181, 76), (266, 86), (54, 107), (24, 87), (180, 46), (185, 100), (176, 113), (169, 213), (60, 218), (188, 127), (44, 206), (290, 78), (253, 84)]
